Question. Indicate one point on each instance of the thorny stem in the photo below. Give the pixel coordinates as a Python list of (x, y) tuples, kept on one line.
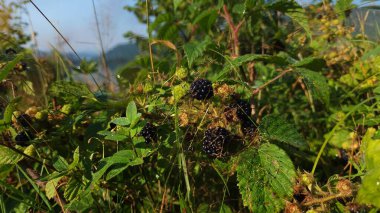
[(257, 90), (235, 37), (234, 30), (325, 199)]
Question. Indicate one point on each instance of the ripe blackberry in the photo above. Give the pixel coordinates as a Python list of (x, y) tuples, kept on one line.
[(10, 51), (243, 109), (22, 137), (201, 89), (214, 141), (149, 132), (248, 127), (24, 120)]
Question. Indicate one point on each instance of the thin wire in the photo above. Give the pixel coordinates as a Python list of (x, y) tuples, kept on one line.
[(47, 19), (67, 42)]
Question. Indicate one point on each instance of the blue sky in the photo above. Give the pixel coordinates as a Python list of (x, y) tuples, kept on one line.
[(75, 19)]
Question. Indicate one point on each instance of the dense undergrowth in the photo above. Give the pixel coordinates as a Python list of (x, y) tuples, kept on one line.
[(251, 106)]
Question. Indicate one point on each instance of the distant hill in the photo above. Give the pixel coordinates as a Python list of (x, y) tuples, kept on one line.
[(121, 54), (117, 56)]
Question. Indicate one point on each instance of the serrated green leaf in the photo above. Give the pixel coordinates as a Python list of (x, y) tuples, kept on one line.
[(7, 117), (116, 137), (239, 61), (125, 157), (69, 91), (75, 159), (9, 66), (369, 191), (298, 15), (176, 3), (265, 178), (72, 189), (51, 187), (159, 20), (122, 121), (341, 139), (206, 19), (294, 11), (371, 148), (112, 136), (132, 114), (277, 128), (342, 6), (311, 63), (239, 8), (81, 203), (60, 164), (317, 84), (120, 168), (8, 156), (194, 50)]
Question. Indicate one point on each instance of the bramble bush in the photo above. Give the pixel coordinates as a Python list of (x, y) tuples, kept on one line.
[(231, 106)]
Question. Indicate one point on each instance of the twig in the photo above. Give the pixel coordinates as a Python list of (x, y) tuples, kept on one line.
[(234, 30), (257, 90)]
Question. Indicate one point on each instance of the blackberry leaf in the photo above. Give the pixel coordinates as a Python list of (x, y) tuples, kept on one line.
[(265, 178), (277, 128)]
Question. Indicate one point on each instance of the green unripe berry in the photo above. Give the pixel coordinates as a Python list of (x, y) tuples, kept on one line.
[(181, 73), (180, 90), (66, 109), (30, 150), (148, 87), (41, 115)]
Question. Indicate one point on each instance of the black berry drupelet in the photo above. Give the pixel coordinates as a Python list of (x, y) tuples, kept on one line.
[(214, 141), (149, 132), (201, 89), (248, 127), (243, 109), (22, 138), (24, 120)]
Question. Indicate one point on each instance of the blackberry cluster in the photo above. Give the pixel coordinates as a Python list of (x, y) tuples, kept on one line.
[(243, 109), (248, 127), (24, 120), (214, 141), (201, 89), (149, 132), (23, 137)]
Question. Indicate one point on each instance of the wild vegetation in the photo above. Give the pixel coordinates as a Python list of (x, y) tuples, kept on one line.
[(230, 106)]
